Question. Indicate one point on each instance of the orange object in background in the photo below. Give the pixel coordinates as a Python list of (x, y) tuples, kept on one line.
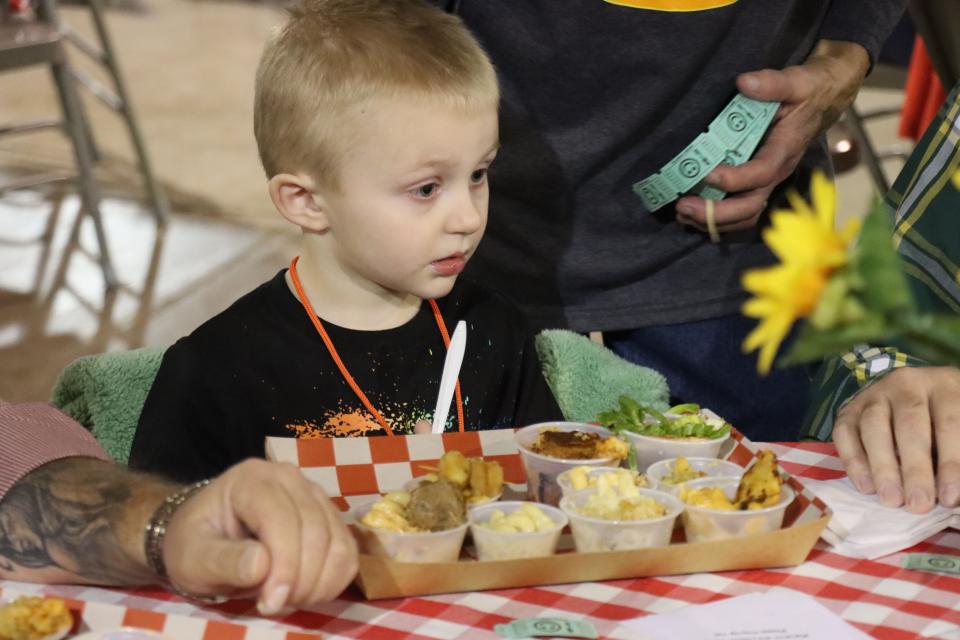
[(924, 94)]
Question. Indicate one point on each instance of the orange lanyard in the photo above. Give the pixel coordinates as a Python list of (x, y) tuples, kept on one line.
[(343, 368)]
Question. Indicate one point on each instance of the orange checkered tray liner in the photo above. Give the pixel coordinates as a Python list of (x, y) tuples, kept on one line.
[(358, 470)]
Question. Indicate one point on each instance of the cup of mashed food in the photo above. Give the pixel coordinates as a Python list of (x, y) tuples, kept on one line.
[(515, 529), (550, 448), (427, 524), (610, 521), (580, 477)]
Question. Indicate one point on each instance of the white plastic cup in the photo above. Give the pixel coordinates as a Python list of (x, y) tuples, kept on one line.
[(702, 524), (427, 546), (542, 471), (596, 534), (651, 449), (712, 467), (496, 545)]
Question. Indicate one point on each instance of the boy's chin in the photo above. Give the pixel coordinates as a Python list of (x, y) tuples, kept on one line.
[(438, 288)]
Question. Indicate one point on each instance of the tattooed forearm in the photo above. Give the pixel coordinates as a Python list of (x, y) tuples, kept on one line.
[(78, 519)]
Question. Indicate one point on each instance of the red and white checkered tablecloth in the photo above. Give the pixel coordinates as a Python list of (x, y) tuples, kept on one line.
[(877, 596)]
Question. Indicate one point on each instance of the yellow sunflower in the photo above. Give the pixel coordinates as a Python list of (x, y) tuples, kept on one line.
[(809, 249)]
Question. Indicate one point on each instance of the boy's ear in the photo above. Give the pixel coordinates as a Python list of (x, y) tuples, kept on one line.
[(297, 200)]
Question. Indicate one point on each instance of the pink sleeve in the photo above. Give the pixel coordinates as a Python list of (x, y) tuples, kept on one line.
[(33, 434)]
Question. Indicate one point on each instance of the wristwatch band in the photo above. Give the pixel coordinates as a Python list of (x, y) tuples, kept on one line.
[(156, 531)]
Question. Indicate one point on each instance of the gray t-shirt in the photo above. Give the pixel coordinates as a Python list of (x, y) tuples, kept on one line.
[(597, 96)]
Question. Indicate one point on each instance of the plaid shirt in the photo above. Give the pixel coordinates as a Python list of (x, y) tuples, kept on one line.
[(924, 204)]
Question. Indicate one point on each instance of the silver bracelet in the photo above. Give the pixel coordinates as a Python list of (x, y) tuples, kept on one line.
[(156, 531)]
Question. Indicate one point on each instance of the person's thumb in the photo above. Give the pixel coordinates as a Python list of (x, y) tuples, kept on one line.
[(772, 85), (223, 566)]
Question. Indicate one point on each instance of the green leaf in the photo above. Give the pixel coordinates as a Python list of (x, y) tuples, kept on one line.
[(632, 416), (814, 344), (885, 288), (934, 338)]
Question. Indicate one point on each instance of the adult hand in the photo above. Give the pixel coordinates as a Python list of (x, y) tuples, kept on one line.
[(261, 528), (906, 412), (813, 95)]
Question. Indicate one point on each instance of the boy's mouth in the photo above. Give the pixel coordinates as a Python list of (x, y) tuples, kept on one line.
[(450, 266)]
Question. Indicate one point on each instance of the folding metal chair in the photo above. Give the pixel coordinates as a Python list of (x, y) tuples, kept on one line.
[(40, 40)]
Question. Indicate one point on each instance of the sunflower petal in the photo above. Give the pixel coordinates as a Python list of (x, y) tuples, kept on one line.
[(823, 192)]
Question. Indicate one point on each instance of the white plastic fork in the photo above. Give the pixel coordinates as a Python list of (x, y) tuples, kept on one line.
[(448, 379)]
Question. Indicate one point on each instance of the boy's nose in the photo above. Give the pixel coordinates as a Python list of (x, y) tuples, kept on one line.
[(466, 214)]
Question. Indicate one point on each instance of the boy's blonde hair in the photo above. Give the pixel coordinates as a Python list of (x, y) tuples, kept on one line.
[(333, 54)]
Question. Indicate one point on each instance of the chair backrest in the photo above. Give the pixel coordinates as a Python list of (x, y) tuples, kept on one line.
[(938, 23)]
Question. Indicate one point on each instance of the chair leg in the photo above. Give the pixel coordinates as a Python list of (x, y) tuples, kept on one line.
[(160, 206), (89, 193), (870, 157)]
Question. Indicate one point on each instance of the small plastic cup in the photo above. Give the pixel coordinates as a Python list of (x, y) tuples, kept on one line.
[(542, 471), (652, 449), (702, 524), (712, 467), (496, 545), (595, 534), (566, 484), (410, 485), (427, 546)]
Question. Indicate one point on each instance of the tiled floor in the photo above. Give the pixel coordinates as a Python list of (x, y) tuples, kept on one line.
[(189, 66)]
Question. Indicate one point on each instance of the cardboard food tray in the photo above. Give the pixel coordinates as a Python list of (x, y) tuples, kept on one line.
[(358, 470)]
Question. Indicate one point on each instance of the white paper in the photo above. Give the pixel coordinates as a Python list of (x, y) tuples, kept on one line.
[(861, 527), (779, 614)]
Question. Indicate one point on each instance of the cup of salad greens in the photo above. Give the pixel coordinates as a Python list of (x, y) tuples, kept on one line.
[(684, 430)]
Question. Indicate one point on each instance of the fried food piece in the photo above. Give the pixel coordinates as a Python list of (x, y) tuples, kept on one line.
[(478, 479), (34, 617), (455, 467), (571, 445), (436, 506), (760, 485), (708, 498), (486, 479)]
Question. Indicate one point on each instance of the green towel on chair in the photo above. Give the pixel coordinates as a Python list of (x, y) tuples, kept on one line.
[(587, 378), (105, 393)]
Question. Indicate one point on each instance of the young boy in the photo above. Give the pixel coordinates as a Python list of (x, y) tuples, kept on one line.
[(376, 122)]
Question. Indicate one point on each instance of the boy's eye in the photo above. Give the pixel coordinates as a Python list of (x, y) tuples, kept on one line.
[(426, 190), (477, 176)]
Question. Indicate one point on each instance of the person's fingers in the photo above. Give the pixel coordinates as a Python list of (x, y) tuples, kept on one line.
[(914, 436), (212, 566), (790, 85), (876, 433), (945, 410), (340, 563), (846, 437), (767, 168), (315, 535), (271, 515), (731, 214), (422, 426)]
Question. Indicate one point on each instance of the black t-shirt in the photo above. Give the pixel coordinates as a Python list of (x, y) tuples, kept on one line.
[(260, 369)]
